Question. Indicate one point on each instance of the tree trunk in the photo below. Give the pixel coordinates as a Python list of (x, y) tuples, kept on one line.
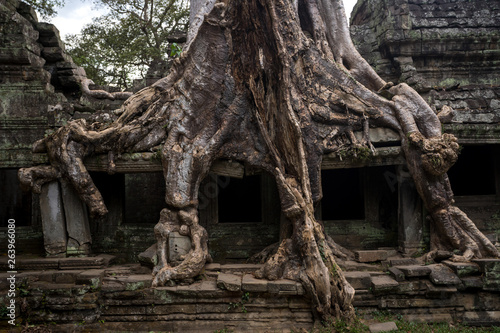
[(275, 84)]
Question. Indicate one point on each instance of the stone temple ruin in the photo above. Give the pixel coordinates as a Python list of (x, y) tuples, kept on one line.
[(447, 50)]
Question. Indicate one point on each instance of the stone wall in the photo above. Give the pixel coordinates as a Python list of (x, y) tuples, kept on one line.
[(449, 51)]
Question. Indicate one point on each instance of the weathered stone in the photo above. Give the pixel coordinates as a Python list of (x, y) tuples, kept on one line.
[(462, 268), (251, 284), (77, 221), (240, 268), (397, 274), (403, 262), (81, 263), (487, 265), (282, 287), (414, 270), (384, 284), (229, 282), (443, 275), (136, 282), (358, 280), (149, 257), (371, 256), (482, 318), (439, 291), (66, 276), (38, 264), (383, 327), (472, 282), (53, 223), (92, 277), (178, 246)]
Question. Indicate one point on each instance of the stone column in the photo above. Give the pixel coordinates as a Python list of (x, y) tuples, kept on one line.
[(53, 222), (410, 219), (77, 221)]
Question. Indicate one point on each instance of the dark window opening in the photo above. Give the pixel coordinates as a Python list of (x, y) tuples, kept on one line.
[(144, 197), (14, 203), (474, 172), (239, 200), (343, 197)]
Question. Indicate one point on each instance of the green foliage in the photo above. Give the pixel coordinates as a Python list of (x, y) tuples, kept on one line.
[(46, 8), (118, 47)]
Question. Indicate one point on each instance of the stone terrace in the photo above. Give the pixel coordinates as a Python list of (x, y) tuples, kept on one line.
[(88, 294)]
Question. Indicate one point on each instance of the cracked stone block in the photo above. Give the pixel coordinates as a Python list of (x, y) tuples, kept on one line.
[(443, 275), (229, 282), (473, 282), (403, 262), (53, 222), (415, 270), (252, 284), (441, 292), (371, 256), (359, 280), (77, 221)]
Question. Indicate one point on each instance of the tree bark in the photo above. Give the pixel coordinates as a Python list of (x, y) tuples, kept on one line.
[(275, 84)]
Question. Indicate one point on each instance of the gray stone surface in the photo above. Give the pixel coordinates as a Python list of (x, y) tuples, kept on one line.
[(178, 246), (383, 284), (251, 284), (77, 221), (415, 270), (282, 287), (397, 274), (443, 275), (149, 257), (229, 282), (359, 280), (370, 255), (383, 327), (53, 223), (462, 268)]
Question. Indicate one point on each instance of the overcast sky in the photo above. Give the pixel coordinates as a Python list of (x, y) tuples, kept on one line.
[(76, 13)]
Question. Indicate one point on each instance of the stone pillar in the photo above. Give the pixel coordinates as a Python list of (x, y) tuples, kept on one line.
[(77, 221), (53, 222), (410, 219)]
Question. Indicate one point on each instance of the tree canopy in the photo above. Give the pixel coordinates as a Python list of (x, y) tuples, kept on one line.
[(46, 8), (118, 47)]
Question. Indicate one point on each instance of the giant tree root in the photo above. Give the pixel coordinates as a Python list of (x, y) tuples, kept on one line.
[(275, 84)]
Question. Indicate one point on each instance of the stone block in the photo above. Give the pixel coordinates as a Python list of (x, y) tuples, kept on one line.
[(81, 263), (53, 222), (371, 256), (251, 284), (403, 262), (384, 284), (282, 287), (486, 265), (240, 268), (136, 282), (149, 257), (77, 221), (212, 267), (38, 264), (462, 268), (92, 277), (397, 274), (229, 282), (383, 327), (178, 246), (482, 318), (415, 270), (439, 292), (443, 275), (359, 280), (472, 282), (66, 276)]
